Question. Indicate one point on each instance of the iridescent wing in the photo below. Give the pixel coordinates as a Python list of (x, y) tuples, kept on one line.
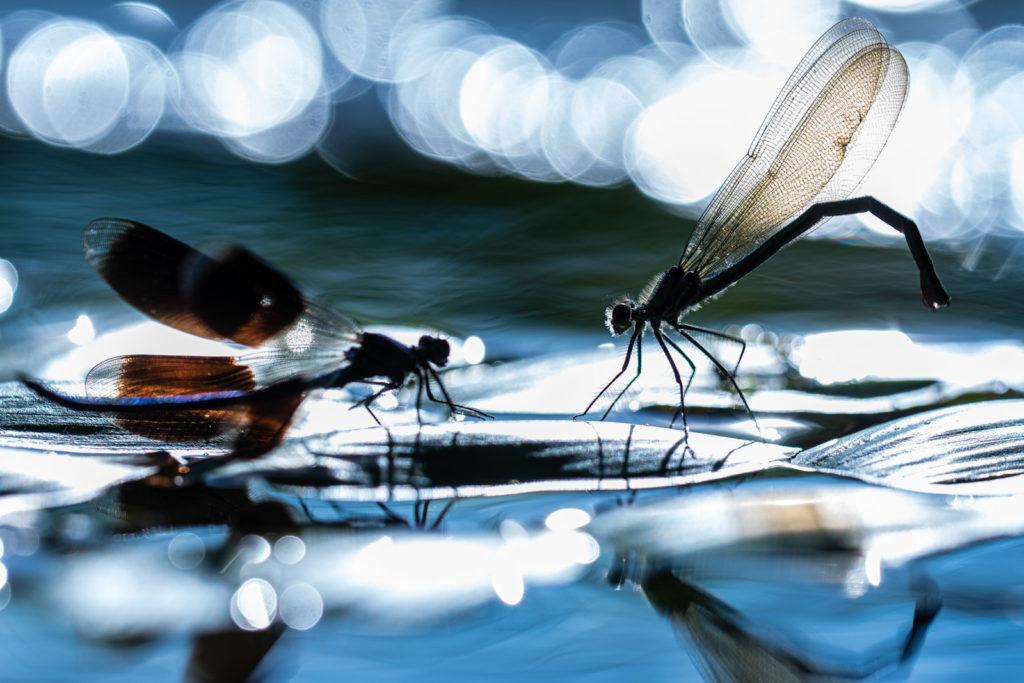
[(819, 139), (135, 379), (231, 296)]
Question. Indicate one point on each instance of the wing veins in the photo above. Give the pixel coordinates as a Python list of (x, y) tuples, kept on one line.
[(819, 139)]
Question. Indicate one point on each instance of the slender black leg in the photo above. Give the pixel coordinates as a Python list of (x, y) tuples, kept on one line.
[(679, 381), (419, 512), (732, 379), (440, 517), (452, 406), (639, 366), (720, 335), (305, 509), (933, 295), (421, 381), (625, 364), (693, 372), (365, 403), (391, 515)]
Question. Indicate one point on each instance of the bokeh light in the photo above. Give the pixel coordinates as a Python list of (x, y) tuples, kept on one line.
[(473, 350), (68, 82), (669, 101), (8, 284), (254, 605), (301, 606), (679, 151), (186, 551), (289, 549), (82, 332), (364, 35), (567, 519), (248, 67)]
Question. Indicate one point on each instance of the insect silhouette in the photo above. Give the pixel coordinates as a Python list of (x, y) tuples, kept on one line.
[(235, 296), (820, 137)]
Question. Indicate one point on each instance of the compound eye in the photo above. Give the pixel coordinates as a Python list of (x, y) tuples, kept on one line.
[(436, 350), (622, 316), (621, 313)]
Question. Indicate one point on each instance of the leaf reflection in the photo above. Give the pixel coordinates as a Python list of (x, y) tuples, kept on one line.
[(214, 552)]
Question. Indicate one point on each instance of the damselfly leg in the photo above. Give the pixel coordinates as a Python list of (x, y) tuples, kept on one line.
[(635, 340)]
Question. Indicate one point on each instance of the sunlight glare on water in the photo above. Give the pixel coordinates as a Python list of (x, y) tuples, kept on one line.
[(567, 519), (252, 549), (83, 331), (473, 350), (365, 35), (908, 5), (8, 284), (254, 605), (146, 15), (502, 98), (269, 79), (507, 578), (435, 571), (853, 355), (1017, 178)]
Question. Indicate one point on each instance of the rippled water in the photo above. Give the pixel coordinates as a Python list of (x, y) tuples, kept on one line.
[(529, 268), (505, 259)]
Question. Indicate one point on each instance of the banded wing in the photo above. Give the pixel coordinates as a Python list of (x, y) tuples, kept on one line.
[(234, 296), (133, 379), (819, 139)]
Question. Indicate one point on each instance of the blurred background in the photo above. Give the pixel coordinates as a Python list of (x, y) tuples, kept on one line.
[(504, 171)]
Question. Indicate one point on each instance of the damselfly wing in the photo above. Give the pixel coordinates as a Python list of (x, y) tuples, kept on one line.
[(820, 137), (232, 295)]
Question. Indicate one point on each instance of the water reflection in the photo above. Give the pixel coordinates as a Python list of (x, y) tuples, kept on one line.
[(728, 645), (843, 549), (394, 578), (230, 557)]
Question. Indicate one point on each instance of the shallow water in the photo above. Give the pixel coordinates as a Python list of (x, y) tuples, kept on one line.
[(529, 268)]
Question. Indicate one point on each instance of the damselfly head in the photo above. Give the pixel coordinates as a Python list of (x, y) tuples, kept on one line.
[(435, 350), (620, 316)]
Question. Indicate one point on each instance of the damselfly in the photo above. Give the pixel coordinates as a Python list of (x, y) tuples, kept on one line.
[(233, 296), (819, 139)]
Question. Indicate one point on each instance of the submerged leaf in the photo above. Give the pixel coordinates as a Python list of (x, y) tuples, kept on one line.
[(974, 448)]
